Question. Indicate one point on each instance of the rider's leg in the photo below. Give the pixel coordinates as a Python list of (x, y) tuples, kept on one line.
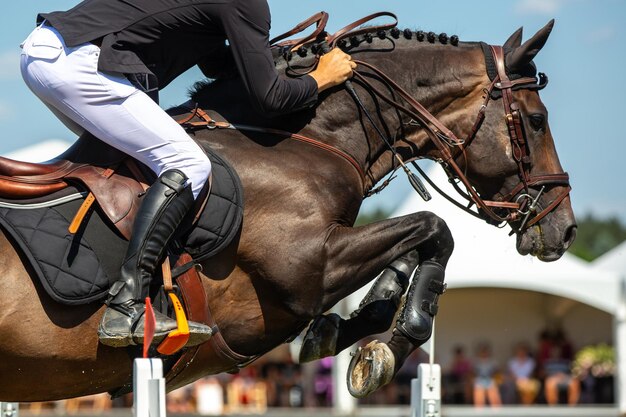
[(163, 208), (112, 109)]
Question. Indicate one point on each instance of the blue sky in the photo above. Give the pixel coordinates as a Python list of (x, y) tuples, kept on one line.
[(585, 59)]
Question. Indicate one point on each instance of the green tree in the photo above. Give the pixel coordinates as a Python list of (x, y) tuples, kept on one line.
[(597, 236)]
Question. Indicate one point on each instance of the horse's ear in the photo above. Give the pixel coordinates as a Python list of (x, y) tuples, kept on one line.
[(514, 41), (524, 54)]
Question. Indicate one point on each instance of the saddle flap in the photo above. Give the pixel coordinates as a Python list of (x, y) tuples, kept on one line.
[(117, 195)]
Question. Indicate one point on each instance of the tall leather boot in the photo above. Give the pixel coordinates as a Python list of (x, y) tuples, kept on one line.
[(164, 207), (420, 306)]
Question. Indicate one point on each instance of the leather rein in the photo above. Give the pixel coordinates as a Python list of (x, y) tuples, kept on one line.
[(519, 204)]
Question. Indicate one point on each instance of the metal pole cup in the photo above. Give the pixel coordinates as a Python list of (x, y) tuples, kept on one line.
[(426, 388), (148, 381)]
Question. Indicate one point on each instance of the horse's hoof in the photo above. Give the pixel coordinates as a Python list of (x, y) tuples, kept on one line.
[(320, 340), (371, 367)]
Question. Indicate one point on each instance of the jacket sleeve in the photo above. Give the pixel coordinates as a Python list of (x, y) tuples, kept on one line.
[(218, 64), (247, 24)]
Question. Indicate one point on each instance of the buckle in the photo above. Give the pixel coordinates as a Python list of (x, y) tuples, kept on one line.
[(437, 287)]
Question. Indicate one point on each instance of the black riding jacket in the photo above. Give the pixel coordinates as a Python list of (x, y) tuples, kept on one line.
[(166, 37)]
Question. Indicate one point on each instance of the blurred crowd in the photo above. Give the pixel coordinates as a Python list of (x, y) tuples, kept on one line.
[(539, 373)]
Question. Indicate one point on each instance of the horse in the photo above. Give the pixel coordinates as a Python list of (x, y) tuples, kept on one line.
[(298, 253)]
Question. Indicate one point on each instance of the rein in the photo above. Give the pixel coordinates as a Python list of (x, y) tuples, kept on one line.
[(445, 140), (206, 122), (519, 204)]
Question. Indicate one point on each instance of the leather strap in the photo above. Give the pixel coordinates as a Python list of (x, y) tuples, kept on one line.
[(319, 19), (198, 310), (445, 140), (80, 215), (209, 123)]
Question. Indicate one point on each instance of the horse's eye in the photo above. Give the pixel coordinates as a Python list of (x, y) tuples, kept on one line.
[(537, 121)]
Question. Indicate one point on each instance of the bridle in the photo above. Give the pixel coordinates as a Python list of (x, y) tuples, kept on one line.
[(518, 204), (520, 152)]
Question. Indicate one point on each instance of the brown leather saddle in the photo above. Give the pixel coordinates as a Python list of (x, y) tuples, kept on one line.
[(114, 180)]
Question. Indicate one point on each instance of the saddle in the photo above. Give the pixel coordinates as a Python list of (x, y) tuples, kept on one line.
[(114, 180)]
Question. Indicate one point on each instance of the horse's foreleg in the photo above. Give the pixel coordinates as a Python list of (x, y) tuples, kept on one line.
[(413, 328), (329, 334), (399, 243), (354, 257)]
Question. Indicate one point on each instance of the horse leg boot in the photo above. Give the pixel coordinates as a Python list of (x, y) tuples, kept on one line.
[(420, 306), (164, 206), (330, 334), (413, 328), (415, 324)]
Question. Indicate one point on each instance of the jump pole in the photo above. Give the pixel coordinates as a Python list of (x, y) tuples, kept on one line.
[(148, 381), (426, 388)]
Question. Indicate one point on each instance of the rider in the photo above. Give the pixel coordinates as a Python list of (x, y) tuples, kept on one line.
[(95, 66)]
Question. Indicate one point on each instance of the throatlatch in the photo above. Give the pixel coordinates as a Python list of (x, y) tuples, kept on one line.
[(420, 306)]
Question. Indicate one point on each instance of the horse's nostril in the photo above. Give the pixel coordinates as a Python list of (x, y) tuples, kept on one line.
[(569, 236)]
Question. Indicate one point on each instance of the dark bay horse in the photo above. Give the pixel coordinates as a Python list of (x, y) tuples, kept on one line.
[(298, 253)]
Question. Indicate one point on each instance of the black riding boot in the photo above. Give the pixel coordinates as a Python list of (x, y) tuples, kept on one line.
[(420, 306), (164, 206)]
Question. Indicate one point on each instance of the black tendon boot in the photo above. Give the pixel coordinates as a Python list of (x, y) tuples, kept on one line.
[(330, 334), (164, 206), (420, 306)]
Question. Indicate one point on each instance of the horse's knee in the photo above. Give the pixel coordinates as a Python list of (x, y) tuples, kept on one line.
[(442, 242)]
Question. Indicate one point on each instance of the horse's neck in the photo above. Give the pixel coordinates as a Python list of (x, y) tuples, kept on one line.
[(446, 80)]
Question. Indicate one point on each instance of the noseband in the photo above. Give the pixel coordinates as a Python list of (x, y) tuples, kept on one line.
[(519, 202)]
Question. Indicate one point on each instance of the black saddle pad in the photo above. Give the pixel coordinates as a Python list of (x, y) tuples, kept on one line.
[(79, 269)]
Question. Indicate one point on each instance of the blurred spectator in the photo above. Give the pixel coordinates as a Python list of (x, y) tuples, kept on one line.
[(485, 387), (561, 340), (180, 400), (558, 375), (543, 349), (458, 377), (521, 368), (324, 382)]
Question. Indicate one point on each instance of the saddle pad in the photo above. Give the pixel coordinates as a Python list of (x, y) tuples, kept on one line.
[(222, 216), (73, 269), (79, 269)]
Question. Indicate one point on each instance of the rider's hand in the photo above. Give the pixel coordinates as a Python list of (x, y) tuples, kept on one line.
[(333, 69)]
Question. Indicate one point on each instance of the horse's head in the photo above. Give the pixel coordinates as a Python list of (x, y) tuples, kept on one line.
[(525, 168), (489, 128), (512, 161)]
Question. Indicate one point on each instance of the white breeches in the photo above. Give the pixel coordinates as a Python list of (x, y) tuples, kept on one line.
[(108, 106)]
